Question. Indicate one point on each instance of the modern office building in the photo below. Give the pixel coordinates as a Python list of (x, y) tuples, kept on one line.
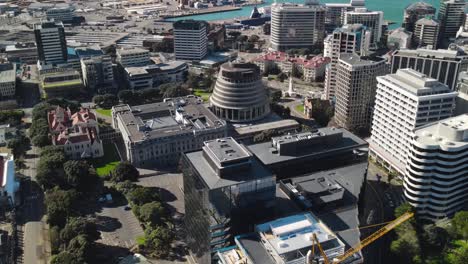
[(98, 76), (61, 12), (225, 187), (326, 148), (353, 38), (405, 101), (462, 98), (132, 57), (51, 42), (153, 75), (156, 134), (415, 12), (296, 26), (372, 20), (61, 82), (334, 15), (436, 181), (443, 65), (7, 81), (426, 33), (451, 16), (355, 90), (22, 53), (239, 94), (399, 38), (190, 40)]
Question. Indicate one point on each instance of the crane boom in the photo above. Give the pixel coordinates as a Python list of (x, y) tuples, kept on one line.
[(325, 258), (404, 217)]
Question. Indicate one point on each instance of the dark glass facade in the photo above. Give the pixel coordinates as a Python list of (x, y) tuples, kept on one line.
[(214, 216)]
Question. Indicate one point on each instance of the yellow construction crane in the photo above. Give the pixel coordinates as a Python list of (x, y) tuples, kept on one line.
[(365, 242)]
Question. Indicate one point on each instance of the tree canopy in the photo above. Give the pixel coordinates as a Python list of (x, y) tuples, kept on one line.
[(125, 171)]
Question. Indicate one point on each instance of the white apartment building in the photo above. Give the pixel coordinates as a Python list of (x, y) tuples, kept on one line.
[(97, 73), (436, 181), (426, 33), (451, 17), (462, 98), (297, 26), (353, 38), (404, 101), (8, 81), (399, 38), (355, 90), (190, 40), (51, 42), (133, 57), (152, 76), (373, 20)]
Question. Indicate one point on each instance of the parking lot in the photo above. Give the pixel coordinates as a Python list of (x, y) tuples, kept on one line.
[(119, 227)]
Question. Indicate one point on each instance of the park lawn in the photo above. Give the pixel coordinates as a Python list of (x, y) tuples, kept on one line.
[(104, 165), (203, 94), (104, 112), (300, 108)]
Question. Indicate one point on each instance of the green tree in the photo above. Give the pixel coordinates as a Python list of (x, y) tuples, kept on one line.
[(124, 187), (142, 195), (170, 90), (79, 226), (55, 242), (459, 228), (80, 247), (125, 171), (152, 213), (282, 76), (40, 111), (65, 257), (18, 145), (406, 247), (402, 209), (109, 100), (459, 254), (275, 96), (79, 175), (60, 205), (434, 238), (159, 239), (41, 140), (98, 99)]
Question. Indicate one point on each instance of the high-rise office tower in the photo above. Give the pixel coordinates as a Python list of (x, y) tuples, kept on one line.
[(334, 15), (436, 180), (426, 33), (51, 42), (190, 40), (353, 38), (373, 20), (355, 90), (414, 12), (451, 17), (443, 65), (297, 26), (404, 101)]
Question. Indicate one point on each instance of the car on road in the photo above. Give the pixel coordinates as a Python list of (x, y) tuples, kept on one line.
[(127, 208)]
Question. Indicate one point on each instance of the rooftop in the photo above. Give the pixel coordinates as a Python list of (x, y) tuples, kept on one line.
[(316, 144), (452, 53), (189, 24), (250, 129), (427, 22), (224, 162), (355, 60), (176, 116), (415, 82), (448, 134), (8, 75), (160, 67)]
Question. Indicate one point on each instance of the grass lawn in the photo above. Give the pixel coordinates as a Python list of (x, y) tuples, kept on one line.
[(105, 112), (108, 162), (300, 108), (203, 94)]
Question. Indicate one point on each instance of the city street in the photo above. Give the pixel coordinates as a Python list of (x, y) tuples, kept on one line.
[(381, 199), (36, 248)]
